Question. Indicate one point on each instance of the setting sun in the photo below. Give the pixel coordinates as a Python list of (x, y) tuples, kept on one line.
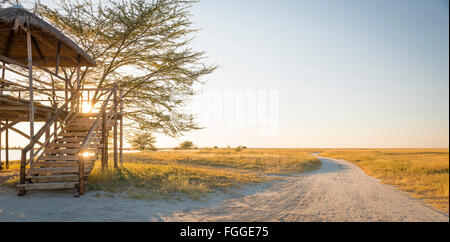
[(87, 107)]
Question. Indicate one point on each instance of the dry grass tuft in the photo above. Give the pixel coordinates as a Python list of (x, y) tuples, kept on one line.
[(196, 172)]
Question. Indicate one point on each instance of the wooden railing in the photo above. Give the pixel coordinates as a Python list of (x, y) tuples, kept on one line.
[(57, 116), (92, 139)]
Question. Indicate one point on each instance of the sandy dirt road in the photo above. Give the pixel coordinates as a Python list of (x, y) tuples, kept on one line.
[(338, 191)]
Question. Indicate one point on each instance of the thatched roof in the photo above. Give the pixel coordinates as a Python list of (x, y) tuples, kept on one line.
[(45, 38)]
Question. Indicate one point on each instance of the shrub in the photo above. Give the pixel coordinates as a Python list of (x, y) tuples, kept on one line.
[(187, 145)]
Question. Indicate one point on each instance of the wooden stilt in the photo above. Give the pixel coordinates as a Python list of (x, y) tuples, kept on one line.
[(105, 143), (1, 165), (47, 132), (79, 103), (81, 185), (1, 91), (7, 146), (121, 127), (3, 77), (116, 161), (106, 150), (22, 176), (58, 57), (30, 77)]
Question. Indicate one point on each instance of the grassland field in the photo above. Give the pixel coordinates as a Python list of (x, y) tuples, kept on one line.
[(424, 173)]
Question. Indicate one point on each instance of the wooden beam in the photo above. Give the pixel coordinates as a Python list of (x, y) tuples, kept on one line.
[(105, 143), (11, 61), (21, 74), (58, 56), (1, 166), (7, 126), (21, 133), (121, 127), (116, 163), (49, 45), (81, 186), (3, 77), (7, 146), (37, 48), (79, 83), (30, 79)]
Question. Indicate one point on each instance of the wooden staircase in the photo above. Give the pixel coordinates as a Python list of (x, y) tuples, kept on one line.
[(58, 167), (67, 161)]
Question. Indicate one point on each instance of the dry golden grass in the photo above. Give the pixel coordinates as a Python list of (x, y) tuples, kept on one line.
[(9, 177), (196, 172), (422, 172)]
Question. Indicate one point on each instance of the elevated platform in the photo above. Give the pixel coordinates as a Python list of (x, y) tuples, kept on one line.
[(12, 108)]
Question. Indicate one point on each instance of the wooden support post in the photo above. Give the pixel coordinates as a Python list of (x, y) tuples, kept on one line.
[(1, 92), (55, 124), (121, 127), (58, 57), (47, 132), (106, 150), (79, 84), (1, 166), (7, 146), (30, 77), (116, 162), (81, 185), (105, 143), (23, 163), (3, 77)]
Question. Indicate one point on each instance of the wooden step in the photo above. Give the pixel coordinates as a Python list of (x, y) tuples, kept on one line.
[(66, 158), (74, 134), (56, 178), (67, 151), (70, 145), (87, 129), (58, 170), (86, 115), (82, 122), (43, 164), (47, 186), (62, 151), (78, 128), (70, 140), (54, 170), (79, 134)]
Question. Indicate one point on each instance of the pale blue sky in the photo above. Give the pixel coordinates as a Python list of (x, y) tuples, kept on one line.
[(348, 73)]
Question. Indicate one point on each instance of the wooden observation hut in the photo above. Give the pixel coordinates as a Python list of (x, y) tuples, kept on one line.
[(41, 84)]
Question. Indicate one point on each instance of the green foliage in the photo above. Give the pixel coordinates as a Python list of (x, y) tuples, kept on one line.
[(144, 46)]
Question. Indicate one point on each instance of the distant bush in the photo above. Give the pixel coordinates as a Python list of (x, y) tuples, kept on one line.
[(215, 147), (187, 145)]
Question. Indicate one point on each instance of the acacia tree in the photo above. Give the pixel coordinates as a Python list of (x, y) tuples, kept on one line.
[(144, 47), (143, 141)]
